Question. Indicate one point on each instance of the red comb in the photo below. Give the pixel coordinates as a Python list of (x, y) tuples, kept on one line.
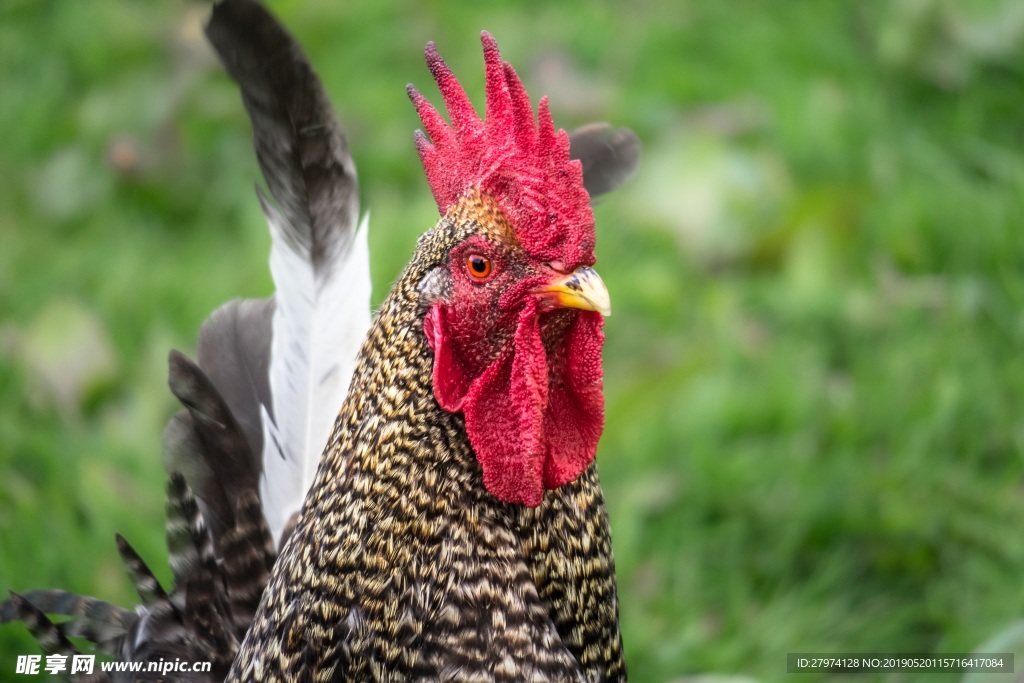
[(522, 163)]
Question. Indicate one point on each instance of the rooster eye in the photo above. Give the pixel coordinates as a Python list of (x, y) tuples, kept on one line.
[(479, 266)]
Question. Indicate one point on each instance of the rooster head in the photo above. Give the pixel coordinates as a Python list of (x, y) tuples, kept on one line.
[(515, 322)]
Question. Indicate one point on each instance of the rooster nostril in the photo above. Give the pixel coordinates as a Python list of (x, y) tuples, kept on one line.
[(557, 266)]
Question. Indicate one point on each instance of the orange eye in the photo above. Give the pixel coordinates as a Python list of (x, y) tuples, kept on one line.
[(479, 266)]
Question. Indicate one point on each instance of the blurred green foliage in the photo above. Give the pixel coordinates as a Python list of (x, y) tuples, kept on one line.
[(814, 430)]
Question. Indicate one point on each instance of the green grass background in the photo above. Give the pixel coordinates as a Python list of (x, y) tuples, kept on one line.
[(814, 375)]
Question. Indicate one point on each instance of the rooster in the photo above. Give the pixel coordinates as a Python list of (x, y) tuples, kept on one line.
[(455, 527)]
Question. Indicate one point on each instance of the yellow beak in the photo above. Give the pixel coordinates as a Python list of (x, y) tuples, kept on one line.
[(581, 289)]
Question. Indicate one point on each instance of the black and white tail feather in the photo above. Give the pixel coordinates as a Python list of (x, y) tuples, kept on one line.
[(261, 402), (319, 260), (272, 374)]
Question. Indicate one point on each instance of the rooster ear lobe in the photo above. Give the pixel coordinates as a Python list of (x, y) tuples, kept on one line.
[(435, 286), (609, 156), (451, 379)]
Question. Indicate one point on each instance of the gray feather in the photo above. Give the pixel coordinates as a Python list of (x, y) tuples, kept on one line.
[(609, 155), (50, 638), (234, 352), (31, 609), (146, 584), (299, 143), (184, 524), (206, 445), (91, 618)]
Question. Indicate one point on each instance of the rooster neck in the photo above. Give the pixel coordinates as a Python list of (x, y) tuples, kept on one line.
[(391, 433)]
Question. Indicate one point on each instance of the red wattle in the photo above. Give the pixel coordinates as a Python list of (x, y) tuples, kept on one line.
[(530, 431), (574, 418)]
